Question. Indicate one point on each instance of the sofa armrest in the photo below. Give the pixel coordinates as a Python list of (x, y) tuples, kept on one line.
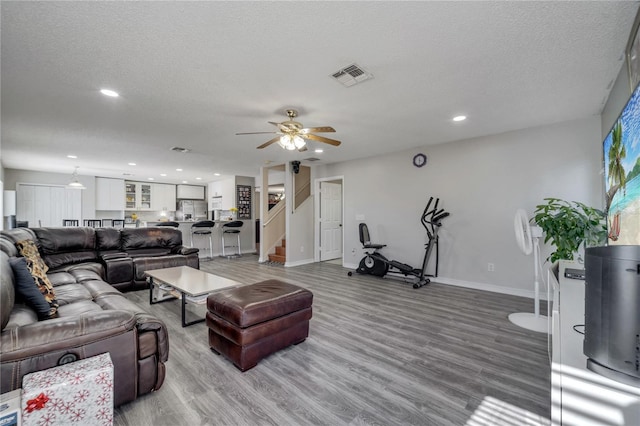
[(118, 270), (185, 250), (62, 333), (149, 323), (111, 256)]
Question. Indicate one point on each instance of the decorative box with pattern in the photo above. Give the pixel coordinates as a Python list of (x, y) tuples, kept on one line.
[(79, 393)]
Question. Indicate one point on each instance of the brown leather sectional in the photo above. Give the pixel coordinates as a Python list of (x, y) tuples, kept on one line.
[(88, 269)]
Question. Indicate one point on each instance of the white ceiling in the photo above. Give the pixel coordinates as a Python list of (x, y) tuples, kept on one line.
[(192, 74)]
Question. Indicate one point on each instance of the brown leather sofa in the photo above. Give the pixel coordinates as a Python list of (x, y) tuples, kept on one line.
[(94, 316)]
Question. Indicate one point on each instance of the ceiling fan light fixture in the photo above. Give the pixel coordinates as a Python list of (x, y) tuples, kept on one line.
[(287, 142), (298, 142)]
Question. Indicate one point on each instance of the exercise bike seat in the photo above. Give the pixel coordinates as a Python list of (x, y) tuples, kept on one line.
[(366, 240)]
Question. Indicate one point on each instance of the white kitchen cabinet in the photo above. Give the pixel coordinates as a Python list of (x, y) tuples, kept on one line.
[(190, 192), (164, 197), (138, 196), (222, 194), (110, 194)]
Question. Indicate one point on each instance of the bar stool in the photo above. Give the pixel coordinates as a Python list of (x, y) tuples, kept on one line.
[(93, 223), (232, 228), (169, 224), (204, 228), (117, 223), (70, 222)]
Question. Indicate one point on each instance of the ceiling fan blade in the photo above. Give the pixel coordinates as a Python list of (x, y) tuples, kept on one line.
[(255, 133), (266, 144), (321, 139), (274, 123), (322, 129)]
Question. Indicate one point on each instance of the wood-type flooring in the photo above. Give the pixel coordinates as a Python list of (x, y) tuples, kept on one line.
[(379, 353)]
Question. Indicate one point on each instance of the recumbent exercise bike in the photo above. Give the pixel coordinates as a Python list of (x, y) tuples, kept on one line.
[(374, 263)]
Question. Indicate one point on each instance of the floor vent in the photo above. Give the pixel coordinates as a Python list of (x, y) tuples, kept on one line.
[(351, 75), (180, 149)]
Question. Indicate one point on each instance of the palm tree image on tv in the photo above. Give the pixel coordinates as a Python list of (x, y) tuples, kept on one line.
[(622, 175), (617, 153)]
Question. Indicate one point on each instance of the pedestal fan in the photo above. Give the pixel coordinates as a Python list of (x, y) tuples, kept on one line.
[(528, 238)]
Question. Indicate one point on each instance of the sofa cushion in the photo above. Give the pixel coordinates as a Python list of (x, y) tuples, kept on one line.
[(38, 269), (150, 238), (64, 246), (107, 240), (61, 278), (149, 252), (27, 288), (60, 240), (72, 293), (7, 290), (143, 264)]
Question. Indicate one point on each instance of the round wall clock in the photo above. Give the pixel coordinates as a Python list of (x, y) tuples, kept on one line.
[(419, 160)]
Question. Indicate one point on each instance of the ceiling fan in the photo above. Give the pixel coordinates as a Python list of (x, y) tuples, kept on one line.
[(291, 134)]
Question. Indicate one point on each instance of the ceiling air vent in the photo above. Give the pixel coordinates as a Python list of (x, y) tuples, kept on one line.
[(351, 75), (180, 149), (311, 159)]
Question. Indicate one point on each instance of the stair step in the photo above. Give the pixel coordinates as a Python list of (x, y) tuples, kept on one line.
[(284, 243), (277, 258), (281, 251)]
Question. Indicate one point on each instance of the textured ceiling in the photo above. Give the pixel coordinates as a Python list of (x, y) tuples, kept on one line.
[(192, 74)]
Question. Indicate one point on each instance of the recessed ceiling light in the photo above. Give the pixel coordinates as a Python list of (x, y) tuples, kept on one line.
[(163, 174), (185, 181), (198, 178), (216, 174), (460, 118), (150, 178), (132, 164), (72, 156), (178, 170), (110, 93), (319, 150)]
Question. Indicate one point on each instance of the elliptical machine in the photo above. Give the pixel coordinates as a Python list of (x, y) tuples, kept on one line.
[(374, 263)]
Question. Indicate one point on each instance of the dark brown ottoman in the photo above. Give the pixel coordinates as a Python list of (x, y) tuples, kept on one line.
[(251, 322)]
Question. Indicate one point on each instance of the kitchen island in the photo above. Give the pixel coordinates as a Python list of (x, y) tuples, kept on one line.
[(202, 242)]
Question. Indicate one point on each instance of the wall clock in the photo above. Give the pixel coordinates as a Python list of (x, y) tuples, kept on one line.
[(419, 160)]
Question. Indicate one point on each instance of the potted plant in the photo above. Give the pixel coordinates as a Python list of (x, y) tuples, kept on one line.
[(570, 226)]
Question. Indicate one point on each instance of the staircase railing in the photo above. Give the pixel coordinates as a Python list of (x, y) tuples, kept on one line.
[(273, 228)]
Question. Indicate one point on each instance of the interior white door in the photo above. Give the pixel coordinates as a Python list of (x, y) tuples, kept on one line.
[(330, 220)]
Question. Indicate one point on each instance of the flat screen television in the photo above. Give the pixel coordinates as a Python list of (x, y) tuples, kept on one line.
[(622, 175)]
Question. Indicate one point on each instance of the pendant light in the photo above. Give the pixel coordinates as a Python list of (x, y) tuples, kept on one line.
[(75, 183)]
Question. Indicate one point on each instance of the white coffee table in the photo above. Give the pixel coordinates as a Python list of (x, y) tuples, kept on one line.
[(189, 282)]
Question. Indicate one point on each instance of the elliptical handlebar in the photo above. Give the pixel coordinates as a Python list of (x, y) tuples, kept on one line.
[(439, 217), (431, 218)]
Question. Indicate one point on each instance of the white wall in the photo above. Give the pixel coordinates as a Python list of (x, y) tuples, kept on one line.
[(481, 182)]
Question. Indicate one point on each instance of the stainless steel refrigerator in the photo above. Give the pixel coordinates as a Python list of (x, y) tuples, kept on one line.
[(192, 210)]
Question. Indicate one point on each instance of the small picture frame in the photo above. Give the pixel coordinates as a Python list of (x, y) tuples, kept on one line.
[(633, 54)]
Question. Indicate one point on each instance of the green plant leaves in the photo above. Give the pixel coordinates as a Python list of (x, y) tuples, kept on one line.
[(567, 225)]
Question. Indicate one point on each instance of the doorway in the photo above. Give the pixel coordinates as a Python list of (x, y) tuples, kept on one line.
[(329, 217)]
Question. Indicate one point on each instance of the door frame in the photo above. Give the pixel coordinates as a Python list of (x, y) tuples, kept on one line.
[(316, 214)]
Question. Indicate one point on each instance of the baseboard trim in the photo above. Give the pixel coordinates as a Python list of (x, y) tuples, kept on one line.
[(288, 264), (489, 287), (476, 285), (349, 265)]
